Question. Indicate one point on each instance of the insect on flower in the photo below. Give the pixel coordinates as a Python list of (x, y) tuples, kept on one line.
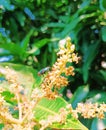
[(43, 71)]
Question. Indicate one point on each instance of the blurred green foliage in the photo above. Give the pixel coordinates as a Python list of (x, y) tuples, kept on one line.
[(31, 29)]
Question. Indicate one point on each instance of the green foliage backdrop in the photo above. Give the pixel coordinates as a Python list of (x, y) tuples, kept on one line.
[(31, 29)]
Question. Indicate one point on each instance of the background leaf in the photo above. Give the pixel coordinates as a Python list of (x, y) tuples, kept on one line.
[(6, 4), (89, 56), (96, 96), (79, 95), (25, 41), (104, 33), (103, 5), (100, 124)]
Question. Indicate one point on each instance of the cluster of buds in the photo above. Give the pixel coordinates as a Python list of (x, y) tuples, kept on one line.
[(88, 110), (54, 80), (24, 105)]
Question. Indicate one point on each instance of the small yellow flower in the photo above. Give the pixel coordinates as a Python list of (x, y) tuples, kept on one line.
[(54, 79)]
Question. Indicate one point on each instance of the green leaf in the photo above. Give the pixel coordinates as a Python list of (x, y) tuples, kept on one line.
[(4, 52), (65, 18), (41, 43), (12, 48), (34, 50), (103, 74), (71, 124), (18, 51), (70, 26), (25, 41), (75, 19), (6, 4), (97, 96), (102, 5), (98, 124), (58, 25), (89, 56), (7, 96), (1, 126), (79, 95), (103, 31), (14, 27), (48, 107), (85, 3), (20, 18), (100, 77)]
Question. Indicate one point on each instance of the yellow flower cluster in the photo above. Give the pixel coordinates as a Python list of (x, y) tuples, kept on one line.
[(24, 106), (88, 110), (54, 80)]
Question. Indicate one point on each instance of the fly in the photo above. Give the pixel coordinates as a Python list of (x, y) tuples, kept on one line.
[(43, 71)]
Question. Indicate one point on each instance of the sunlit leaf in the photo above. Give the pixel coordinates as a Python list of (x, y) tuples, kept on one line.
[(48, 107), (11, 48)]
